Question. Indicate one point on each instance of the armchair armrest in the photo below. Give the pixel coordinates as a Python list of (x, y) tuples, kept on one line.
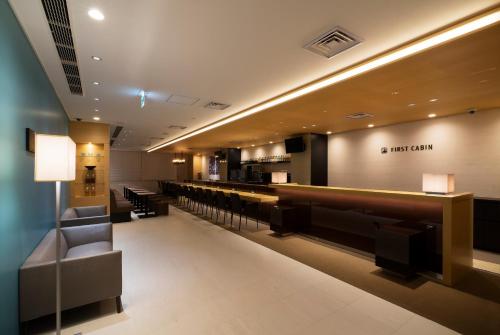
[(79, 235), (85, 221)]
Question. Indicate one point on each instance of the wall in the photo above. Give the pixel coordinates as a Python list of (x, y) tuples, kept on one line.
[(26, 207), (466, 145), (144, 169), (84, 133)]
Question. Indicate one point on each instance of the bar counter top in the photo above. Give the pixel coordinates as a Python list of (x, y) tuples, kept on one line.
[(375, 192)]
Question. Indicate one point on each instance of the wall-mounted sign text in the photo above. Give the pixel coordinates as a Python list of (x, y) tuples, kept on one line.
[(404, 148)]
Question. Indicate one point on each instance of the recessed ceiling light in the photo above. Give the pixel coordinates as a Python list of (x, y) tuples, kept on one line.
[(97, 99), (433, 100), (270, 142), (253, 145), (313, 125), (411, 105), (96, 110), (96, 83), (410, 49), (328, 132), (96, 58), (96, 118), (304, 127), (371, 125), (395, 93), (96, 14), (431, 115), (237, 147)]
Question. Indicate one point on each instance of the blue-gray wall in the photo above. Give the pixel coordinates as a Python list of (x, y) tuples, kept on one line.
[(27, 100)]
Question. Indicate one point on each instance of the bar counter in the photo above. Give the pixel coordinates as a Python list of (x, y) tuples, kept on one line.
[(349, 216)]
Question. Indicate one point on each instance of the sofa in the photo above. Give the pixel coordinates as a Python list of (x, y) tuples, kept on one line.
[(120, 207), (91, 271), (78, 216)]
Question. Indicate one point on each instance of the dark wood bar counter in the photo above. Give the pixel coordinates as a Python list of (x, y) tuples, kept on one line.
[(352, 216)]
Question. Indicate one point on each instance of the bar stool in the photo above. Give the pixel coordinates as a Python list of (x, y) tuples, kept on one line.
[(221, 204)]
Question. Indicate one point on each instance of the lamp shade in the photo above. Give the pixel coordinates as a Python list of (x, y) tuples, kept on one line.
[(438, 183), (279, 177), (55, 158)]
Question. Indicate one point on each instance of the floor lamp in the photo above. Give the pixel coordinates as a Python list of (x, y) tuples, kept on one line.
[(55, 158)]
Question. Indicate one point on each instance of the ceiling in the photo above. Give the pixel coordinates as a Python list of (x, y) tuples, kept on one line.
[(457, 77), (235, 52)]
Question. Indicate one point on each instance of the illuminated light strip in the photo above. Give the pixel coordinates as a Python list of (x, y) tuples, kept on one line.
[(412, 49)]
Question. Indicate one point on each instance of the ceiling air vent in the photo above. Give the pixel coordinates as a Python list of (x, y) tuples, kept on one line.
[(333, 42), (216, 105), (56, 12), (117, 131), (177, 127), (357, 116)]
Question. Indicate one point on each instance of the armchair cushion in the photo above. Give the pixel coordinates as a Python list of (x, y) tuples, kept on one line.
[(79, 235), (87, 211), (90, 249)]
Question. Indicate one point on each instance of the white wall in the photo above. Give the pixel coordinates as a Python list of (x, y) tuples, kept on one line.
[(143, 169), (466, 145)]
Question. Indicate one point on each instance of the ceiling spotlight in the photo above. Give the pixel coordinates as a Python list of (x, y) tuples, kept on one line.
[(96, 58), (371, 125), (96, 14), (253, 145), (433, 100), (96, 83), (96, 110), (328, 132), (313, 125), (411, 105), (304, 127), (97, 99), (431, 115), (395, 93), (96, 118), (270, 142)]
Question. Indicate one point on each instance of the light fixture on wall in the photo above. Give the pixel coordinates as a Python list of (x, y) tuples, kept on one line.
[(179, 160), (55, 161), (438, 183)]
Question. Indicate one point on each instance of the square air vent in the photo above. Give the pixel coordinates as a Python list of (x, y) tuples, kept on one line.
[(176, 127), (182, 100), (333, 42), (357, 116), (216, 105)]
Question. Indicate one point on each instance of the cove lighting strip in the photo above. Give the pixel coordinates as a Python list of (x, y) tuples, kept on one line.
[(393, 56)]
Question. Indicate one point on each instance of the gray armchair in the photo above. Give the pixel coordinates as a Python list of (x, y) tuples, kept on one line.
[(91, 271), (78, 216)]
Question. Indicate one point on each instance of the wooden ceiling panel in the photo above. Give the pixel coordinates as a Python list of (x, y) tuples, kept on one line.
[(462, 74)]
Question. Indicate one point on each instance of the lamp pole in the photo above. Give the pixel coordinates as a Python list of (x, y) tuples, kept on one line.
[(58, 258)]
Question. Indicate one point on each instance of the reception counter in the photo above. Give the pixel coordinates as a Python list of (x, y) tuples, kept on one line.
[(352, 216)]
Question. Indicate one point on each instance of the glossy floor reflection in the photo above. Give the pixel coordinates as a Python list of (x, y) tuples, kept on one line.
[(185, 275)]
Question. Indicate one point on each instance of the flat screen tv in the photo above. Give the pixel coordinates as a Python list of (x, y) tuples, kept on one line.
[(295, 144)]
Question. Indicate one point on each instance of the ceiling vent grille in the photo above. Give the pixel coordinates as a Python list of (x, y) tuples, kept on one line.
[(177, 127), (117, 131), (216, 105), (357, 116), (56, 12), (333, 42)]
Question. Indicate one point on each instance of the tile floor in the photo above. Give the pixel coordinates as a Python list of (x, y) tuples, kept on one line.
[(185, 275)]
